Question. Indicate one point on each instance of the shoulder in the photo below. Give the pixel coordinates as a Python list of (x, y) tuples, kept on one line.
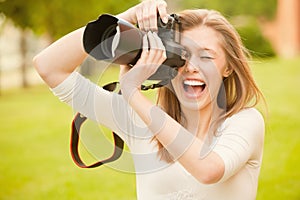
[(248, 112), (249, 116), (241, 140), (248, 123)]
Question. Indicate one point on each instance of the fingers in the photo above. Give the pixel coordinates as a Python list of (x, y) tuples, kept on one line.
[(153, 18), (154, 52), (145, 46), (159, 48), (162, 11), (153, 55), (146, 14)]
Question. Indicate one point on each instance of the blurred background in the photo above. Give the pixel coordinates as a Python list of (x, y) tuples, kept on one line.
[(34, 126)]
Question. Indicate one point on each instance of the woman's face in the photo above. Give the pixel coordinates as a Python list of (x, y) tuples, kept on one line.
[(197, 83)]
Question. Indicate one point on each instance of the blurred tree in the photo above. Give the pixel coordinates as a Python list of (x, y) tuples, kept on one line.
[(21, 16), (2, 26), (257, 8), (249, 29), (55, 18), (252, 37), (58, 17)]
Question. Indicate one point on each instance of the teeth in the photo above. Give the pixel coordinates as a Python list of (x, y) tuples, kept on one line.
[(193, 83)]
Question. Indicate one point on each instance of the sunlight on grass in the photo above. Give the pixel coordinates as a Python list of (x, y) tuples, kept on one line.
[(35, 131), (36, 163), (279, 80)]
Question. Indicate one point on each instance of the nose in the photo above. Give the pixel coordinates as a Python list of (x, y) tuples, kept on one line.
[(189, 67)]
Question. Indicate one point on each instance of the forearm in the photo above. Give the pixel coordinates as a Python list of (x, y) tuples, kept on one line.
[(183, 145), (61, 58)]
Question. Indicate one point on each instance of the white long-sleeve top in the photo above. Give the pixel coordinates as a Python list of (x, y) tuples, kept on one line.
[(240, 145)]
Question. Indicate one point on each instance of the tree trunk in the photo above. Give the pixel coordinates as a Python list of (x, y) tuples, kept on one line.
[(0, 76), (2, 26), (23, 51)]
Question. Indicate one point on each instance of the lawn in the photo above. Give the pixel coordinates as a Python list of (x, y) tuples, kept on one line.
[(34, 144), (280, 175)]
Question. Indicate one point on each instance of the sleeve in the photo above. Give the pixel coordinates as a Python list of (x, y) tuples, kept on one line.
[(240, 141), (95, 103)]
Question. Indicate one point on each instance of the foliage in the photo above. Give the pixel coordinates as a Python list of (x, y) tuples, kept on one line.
[(260, 8), (58, 17), (252, 37), (249, 30)]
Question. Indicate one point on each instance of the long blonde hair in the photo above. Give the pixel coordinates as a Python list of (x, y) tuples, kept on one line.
[(240, 88)]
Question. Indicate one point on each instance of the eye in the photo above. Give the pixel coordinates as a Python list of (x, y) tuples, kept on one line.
[(206, 57)]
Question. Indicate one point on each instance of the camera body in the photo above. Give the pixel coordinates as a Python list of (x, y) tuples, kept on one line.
[(115, 40)]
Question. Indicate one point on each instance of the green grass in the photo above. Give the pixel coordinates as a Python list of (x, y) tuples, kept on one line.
[(35, 160), (34, 144), (280, 175)]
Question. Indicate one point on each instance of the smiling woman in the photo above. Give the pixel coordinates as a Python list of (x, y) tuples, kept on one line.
[(193, 88), (204, 138)]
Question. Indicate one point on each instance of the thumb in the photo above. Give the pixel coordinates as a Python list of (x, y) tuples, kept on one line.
[(123, 70)]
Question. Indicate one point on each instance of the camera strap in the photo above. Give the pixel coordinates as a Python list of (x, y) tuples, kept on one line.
[(76, 125), (77, 122), (79, 119)]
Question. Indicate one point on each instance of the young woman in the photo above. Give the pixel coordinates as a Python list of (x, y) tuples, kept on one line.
[(204, 138)]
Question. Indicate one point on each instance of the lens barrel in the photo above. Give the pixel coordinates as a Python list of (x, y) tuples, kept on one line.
[(115, 40)]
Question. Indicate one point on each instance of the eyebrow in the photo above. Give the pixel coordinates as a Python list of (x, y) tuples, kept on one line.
[(210, 50), (199, 49)]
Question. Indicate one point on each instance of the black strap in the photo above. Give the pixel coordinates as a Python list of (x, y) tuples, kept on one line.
[(76, 125), (155, 85), (79, 119)]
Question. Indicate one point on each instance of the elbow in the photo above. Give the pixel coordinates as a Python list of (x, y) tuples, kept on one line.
[(44, 70), (211, 177), (212, 172), (40, 67)]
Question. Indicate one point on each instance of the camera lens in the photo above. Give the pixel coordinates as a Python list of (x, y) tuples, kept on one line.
[(107, 41)]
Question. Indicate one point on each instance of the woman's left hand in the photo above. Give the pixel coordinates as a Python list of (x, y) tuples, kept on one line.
[(145, 14), (153, 55)]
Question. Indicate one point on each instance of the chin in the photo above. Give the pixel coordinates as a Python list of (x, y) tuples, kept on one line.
[(195, 104)]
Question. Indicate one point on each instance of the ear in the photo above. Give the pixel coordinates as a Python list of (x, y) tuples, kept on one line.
[(227, 71)]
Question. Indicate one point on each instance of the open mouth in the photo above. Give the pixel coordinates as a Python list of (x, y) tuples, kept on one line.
[(193, 88)]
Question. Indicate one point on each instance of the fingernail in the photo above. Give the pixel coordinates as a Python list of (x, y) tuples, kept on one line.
[(165, 19), (165, 55)]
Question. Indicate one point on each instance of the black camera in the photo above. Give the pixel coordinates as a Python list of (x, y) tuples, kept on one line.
[(115, 40)]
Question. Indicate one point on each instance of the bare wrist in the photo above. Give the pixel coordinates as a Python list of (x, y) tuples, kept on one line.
[(128, 15)]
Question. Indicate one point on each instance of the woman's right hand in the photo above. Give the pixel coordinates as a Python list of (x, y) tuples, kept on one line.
[(153, 55), (145, 14)]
